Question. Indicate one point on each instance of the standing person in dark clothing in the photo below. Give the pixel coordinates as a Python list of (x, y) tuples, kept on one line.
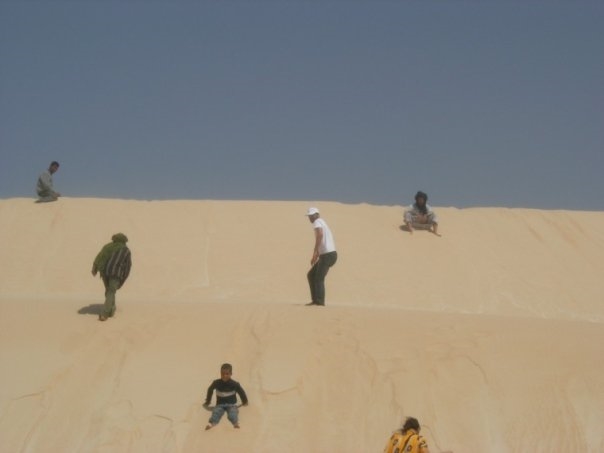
[(113, 263), (226, 397), (44, 187), (323, 257)]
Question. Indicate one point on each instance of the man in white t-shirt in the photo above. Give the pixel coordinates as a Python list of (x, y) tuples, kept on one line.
[(324, 256)]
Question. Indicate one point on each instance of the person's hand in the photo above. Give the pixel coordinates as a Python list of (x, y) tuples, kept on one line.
[(206, 405), (315, 258), (93, 271)]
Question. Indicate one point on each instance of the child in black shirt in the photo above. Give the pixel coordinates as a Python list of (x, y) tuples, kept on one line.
[(226, 397)]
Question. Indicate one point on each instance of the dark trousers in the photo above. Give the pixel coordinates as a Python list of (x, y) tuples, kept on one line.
[(111, 287), (316, 276)]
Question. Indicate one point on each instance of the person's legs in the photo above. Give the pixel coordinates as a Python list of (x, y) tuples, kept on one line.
[(322, 267), (311, 282), (217, 414), (111, 286), (233, 414), (46, 197), (434, 222)]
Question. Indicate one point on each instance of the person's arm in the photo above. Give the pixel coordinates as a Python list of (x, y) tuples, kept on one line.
[(392, 442), (318, 241), (433, 220), (408, 215), (95, 265), (45, 182), (423, 446), (241, 394), (127, 266), (435, 229), (209, 394)]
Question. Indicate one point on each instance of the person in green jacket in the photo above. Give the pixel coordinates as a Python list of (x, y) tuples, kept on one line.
[(113, 263)]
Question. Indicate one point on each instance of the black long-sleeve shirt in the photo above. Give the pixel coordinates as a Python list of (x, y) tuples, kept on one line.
[(226, 392)]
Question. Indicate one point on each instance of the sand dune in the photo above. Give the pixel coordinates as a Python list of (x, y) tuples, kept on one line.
[(492, 335)]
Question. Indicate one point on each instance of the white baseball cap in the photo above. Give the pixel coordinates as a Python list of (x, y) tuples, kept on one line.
[(312, 211)]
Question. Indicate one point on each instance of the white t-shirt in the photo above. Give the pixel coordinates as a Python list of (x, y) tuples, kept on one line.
[(328, 244)]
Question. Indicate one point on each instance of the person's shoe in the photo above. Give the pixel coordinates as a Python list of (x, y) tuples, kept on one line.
[(310, 303), (102, 318), (236, 426), (209, 426)]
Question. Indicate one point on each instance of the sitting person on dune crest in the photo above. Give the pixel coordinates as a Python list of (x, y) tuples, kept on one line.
[(407, 439), (421, 215), (44, 187)]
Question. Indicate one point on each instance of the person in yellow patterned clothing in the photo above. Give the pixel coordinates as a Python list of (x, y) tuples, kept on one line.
[(407, 439)]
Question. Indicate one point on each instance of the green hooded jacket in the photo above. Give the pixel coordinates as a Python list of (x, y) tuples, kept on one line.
[(118, 241)]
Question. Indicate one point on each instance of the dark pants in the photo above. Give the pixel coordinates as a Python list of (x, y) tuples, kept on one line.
[(111, 287), (316, 276)]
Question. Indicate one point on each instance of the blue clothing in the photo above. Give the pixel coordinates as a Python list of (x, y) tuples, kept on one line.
[(231, 410)]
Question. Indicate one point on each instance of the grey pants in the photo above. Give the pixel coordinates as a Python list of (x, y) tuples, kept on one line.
[(45, 197)]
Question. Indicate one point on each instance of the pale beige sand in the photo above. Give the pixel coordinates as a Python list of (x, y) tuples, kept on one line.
[(492, 335)]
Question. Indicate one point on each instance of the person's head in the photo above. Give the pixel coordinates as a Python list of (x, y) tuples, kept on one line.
[(312, 214), (421, 198), (119, 237), (411, 423), (226, 371), (53, 167)]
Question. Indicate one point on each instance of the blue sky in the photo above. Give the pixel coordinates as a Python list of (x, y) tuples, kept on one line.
[(477, 103)]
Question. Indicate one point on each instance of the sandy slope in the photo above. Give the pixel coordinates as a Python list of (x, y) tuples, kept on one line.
[(492, 335)]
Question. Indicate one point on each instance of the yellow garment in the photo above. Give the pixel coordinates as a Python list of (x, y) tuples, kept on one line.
[(410, 441)]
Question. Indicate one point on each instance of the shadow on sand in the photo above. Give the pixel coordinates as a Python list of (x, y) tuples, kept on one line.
[(418, 227), (92, 309)]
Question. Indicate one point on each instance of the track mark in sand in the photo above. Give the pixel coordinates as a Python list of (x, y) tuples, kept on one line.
[(479, 367), (96, 364), (163, 417), (26, 412), (117, 426), (30, 395), (40, 409)]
